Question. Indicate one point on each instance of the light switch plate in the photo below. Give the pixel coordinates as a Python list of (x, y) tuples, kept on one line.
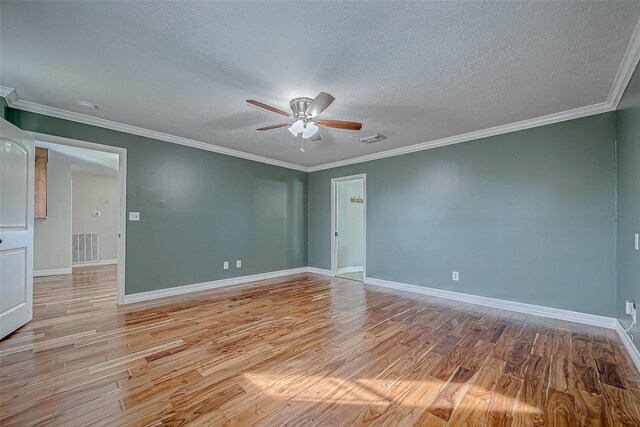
[(134, 216), (225, 265), (238, 263)]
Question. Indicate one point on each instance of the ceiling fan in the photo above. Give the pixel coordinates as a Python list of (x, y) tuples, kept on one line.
[(304, 113)]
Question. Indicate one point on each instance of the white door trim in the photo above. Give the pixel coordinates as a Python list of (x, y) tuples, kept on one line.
[(334, 194), (122, 195)]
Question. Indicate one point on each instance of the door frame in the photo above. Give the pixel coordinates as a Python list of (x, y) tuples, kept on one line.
[(334, 213), (121, 198)]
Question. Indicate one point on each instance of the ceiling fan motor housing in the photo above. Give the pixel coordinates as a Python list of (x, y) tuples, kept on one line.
[(299, 106)]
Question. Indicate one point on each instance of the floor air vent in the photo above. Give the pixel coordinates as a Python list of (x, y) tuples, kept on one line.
[(85, 248)]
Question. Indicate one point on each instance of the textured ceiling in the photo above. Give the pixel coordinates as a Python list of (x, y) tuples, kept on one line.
[(414, 71)]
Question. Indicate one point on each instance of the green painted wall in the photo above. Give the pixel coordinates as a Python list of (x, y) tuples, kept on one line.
[(198, 209), (628, 155), (4, 109), (527, 216)]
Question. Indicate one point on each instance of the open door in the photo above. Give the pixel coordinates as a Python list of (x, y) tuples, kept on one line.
[(16, 227), (348, 227)]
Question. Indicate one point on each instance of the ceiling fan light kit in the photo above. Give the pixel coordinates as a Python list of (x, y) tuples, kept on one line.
[(310, 129), (297, 127), (304, 110)]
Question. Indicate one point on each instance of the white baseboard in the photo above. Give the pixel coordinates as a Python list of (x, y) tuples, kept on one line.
[(628, 344), (179, 290), (537, 310), (93, 264), (350, 269), (51, 272), (320, 271), (554, 313)]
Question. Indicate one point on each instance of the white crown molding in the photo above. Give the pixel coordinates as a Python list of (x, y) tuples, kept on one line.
[(626, 70), (519, 307), (576, 113), (631, 348), (14, 102), (51, 272), (9, 94)]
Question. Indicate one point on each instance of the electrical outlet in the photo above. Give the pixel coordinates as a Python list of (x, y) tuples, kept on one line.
[(238, 263), (134, 216), (636, 242), (225, 265), (630, 307), (455, 276)]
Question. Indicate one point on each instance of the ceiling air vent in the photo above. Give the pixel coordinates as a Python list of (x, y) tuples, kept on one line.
[(374, 138)]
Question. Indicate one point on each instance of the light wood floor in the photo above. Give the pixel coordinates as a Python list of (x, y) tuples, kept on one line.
[(304, 350)]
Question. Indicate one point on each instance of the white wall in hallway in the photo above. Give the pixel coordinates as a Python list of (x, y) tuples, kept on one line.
[(350, 220), (52, 235), (97, 193)]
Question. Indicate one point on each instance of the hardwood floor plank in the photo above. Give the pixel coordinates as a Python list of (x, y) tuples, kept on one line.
[(446, 400), (591, 409), (473, 408), (504, 401), (303, 350), (560, 409), (131, 357), (586, 379), (609, 374), (623, 409)]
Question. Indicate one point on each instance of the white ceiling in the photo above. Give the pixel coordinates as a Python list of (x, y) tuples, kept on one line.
[(414, 71), (86, 161)]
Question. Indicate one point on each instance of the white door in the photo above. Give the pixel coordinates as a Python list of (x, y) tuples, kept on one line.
[(17, 163)]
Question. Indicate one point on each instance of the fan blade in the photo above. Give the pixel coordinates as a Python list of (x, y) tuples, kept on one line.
[(340, 124), (322, 101), (268, 107), (279, 125), (315, 137)]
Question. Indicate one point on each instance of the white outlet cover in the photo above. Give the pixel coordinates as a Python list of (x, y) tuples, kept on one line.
[(238, 263), (225, 265), (134, 216), (455, 276), (636, 241)]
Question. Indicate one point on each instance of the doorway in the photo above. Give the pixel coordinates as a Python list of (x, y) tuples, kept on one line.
[(348, 227), (82, 226)]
